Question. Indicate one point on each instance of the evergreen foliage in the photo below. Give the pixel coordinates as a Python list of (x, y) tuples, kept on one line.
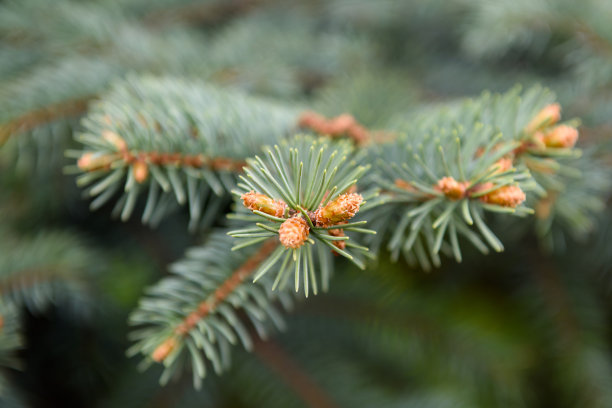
[(297, 149)]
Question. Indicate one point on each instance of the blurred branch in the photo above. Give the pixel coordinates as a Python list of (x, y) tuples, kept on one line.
[(289, 371)]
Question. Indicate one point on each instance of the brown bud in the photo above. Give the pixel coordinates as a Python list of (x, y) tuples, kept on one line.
[(141, 171), (293, 232), (404, 185), (503, 164), (562, 136), (261, 202), (115, 139), (90, 161), (341, 209), (548, 116), (451, 188), (163, 350), (506, 196)]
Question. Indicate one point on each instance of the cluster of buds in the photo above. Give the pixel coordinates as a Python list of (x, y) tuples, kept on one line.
[(505, 196), (546, 133), (343, 125), (294, 231)]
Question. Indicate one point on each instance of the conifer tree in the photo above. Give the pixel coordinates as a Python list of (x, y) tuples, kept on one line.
[(342, 203)]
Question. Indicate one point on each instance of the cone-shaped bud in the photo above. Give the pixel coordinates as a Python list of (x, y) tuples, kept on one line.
[(451, 188), (293, 232), (163, 350), (506, 196), (141, 171), (115, 139), (90, 161), (261, 202), (548, 116), (343, 208), (404, 185), (560, 136), (503, 164)]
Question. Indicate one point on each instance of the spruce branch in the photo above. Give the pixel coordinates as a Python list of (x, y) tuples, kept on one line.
[(50, 268), (137, 140), (300, 190), (197, 314)]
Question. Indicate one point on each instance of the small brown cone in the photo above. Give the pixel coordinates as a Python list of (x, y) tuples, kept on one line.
[(141, 171), (548, 116), (451, 188), (293, 232), (261, 202), (115, 139), (163, 350), (90, 161), (506, 196), (341, 209), (561, 136)]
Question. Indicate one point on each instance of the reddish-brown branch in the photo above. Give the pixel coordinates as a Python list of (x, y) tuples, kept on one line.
[(206, 14), (226, 288), (140, 160), (209, 305), (35, 118), (292, 374)]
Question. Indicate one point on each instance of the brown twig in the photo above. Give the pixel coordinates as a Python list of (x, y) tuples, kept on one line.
[(208, 305), (204, 14), (289, 371), (47, 114)]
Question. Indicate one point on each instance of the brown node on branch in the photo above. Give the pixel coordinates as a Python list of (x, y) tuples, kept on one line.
[(344, 125), (141, 171)]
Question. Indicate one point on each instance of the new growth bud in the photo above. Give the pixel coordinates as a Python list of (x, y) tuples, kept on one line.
[(341, 209), (548, 116), (451, 188), (293, 232), (114, 139), (261, 202), (141, 171), (91, 161), (561, 136), (506, 196)]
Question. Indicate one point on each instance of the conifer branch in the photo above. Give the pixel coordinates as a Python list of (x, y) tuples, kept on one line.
[(38, 117), (206, 305)]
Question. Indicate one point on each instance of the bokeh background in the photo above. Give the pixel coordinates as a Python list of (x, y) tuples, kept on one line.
[(526, 328)]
